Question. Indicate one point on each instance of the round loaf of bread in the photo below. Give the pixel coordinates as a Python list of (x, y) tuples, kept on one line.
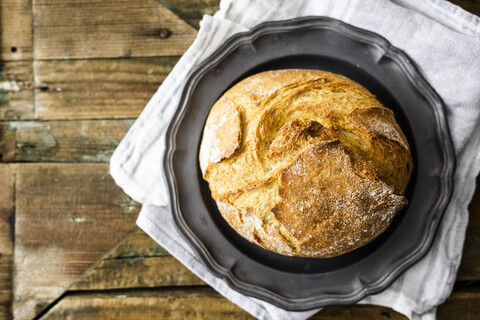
[(305, 162)]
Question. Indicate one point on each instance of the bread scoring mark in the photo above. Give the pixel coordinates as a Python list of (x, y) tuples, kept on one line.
[(293, 135), (282, 115)]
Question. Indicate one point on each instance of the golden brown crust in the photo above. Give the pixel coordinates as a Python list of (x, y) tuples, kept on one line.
[(305, 162)]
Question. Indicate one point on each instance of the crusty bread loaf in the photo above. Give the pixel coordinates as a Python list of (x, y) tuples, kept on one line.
[(305, 162)]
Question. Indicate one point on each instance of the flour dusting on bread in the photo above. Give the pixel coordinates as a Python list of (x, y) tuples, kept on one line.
[(222, 133)]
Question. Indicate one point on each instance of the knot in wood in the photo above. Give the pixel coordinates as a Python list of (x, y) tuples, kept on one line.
[(164, 33)]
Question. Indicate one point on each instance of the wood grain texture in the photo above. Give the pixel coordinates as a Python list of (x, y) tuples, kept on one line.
[(165, 304), (16, 90), (7, 207), (68, 216), (16, 30), (137, 262), (98, 89), (61, 141), (191, 11), (107, 29)]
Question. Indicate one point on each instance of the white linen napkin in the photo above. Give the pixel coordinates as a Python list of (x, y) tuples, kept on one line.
[(444, 42)]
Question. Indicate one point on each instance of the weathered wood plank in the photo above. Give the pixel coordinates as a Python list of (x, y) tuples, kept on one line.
[(201, 303), (16, 30), (137, 262), (204, 303), (7, 207), (138, 244), (97, 89), (131, 271), (107, 29), (470, 265), (16, 90), (68, 216), (191, 11), (61, 141)]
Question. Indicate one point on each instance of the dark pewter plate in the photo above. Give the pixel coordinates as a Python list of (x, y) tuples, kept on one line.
[(306, 283)]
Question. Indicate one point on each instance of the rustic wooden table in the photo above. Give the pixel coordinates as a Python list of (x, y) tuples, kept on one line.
[(74, 76)]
